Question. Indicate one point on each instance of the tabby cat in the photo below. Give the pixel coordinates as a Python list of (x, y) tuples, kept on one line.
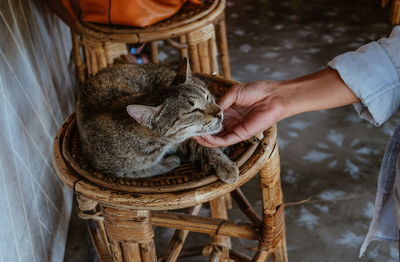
[(135, 121)]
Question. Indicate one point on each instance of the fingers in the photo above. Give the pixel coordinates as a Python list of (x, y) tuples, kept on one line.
[(218, 141), (229, 97), (203, 141)]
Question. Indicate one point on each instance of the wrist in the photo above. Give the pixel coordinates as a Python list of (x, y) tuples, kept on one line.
[(284, 93)]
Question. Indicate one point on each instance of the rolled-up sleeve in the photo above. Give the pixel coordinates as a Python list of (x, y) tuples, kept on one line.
[(372, 73)]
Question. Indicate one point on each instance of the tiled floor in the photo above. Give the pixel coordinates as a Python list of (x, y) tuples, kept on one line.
[(331, 156)]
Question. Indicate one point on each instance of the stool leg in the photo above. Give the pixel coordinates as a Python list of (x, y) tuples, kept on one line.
[(88, 210), (154, 52), (131, 251), (273, 224), (183, 51), (395, 12), (99, 239), (130, 234), (223, 48), (219, 210), (280, 254), (260, 256), (228, 200)]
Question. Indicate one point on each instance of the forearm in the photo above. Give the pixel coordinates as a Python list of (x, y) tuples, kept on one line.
[(321, 90)]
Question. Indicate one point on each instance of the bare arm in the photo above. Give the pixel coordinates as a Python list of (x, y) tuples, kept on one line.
[(253, 107), (321, 90)]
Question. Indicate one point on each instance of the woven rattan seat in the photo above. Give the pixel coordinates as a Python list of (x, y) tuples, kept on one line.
[(188, 176)]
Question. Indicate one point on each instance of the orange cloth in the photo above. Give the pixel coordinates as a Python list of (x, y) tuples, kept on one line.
[(138, 13)]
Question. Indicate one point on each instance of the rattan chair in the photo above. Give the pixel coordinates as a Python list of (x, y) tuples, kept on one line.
[(121, 212)]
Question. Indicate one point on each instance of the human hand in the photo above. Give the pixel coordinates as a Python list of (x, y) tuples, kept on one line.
[(253, 107), (249, 109)]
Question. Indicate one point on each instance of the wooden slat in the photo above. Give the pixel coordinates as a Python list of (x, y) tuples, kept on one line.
[(207, 225)]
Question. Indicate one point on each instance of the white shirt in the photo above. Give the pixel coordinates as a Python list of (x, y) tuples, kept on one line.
[(372, 72)]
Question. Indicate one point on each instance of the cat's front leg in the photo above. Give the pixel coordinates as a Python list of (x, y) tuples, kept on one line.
[(225, 169), (169, 163)]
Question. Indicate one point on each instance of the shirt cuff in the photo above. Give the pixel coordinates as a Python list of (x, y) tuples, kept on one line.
[(370, 73)]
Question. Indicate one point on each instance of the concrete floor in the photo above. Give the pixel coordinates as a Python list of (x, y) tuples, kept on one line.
[(331, 156)]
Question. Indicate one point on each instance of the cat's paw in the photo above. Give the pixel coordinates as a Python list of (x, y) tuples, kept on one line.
[(171, 162), (228, 173)]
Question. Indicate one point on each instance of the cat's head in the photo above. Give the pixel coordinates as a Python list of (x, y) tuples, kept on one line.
[(188, 110)]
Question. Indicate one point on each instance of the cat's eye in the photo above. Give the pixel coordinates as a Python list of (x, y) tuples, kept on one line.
[(190, 102), (197, 110)]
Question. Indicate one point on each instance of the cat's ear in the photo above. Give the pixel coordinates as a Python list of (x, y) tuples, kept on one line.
[(144, 115), (184, 73)]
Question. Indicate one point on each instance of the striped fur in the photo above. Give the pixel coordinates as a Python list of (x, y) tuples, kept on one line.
[(135, 121)]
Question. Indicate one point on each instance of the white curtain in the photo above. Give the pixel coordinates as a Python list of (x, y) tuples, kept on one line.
[(36, 95)]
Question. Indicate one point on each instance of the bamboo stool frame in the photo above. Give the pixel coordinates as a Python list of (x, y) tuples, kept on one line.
[(202, 38), (120, 221)]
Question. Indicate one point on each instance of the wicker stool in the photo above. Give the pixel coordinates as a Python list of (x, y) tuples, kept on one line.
[(193, 30), (121, 212)]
